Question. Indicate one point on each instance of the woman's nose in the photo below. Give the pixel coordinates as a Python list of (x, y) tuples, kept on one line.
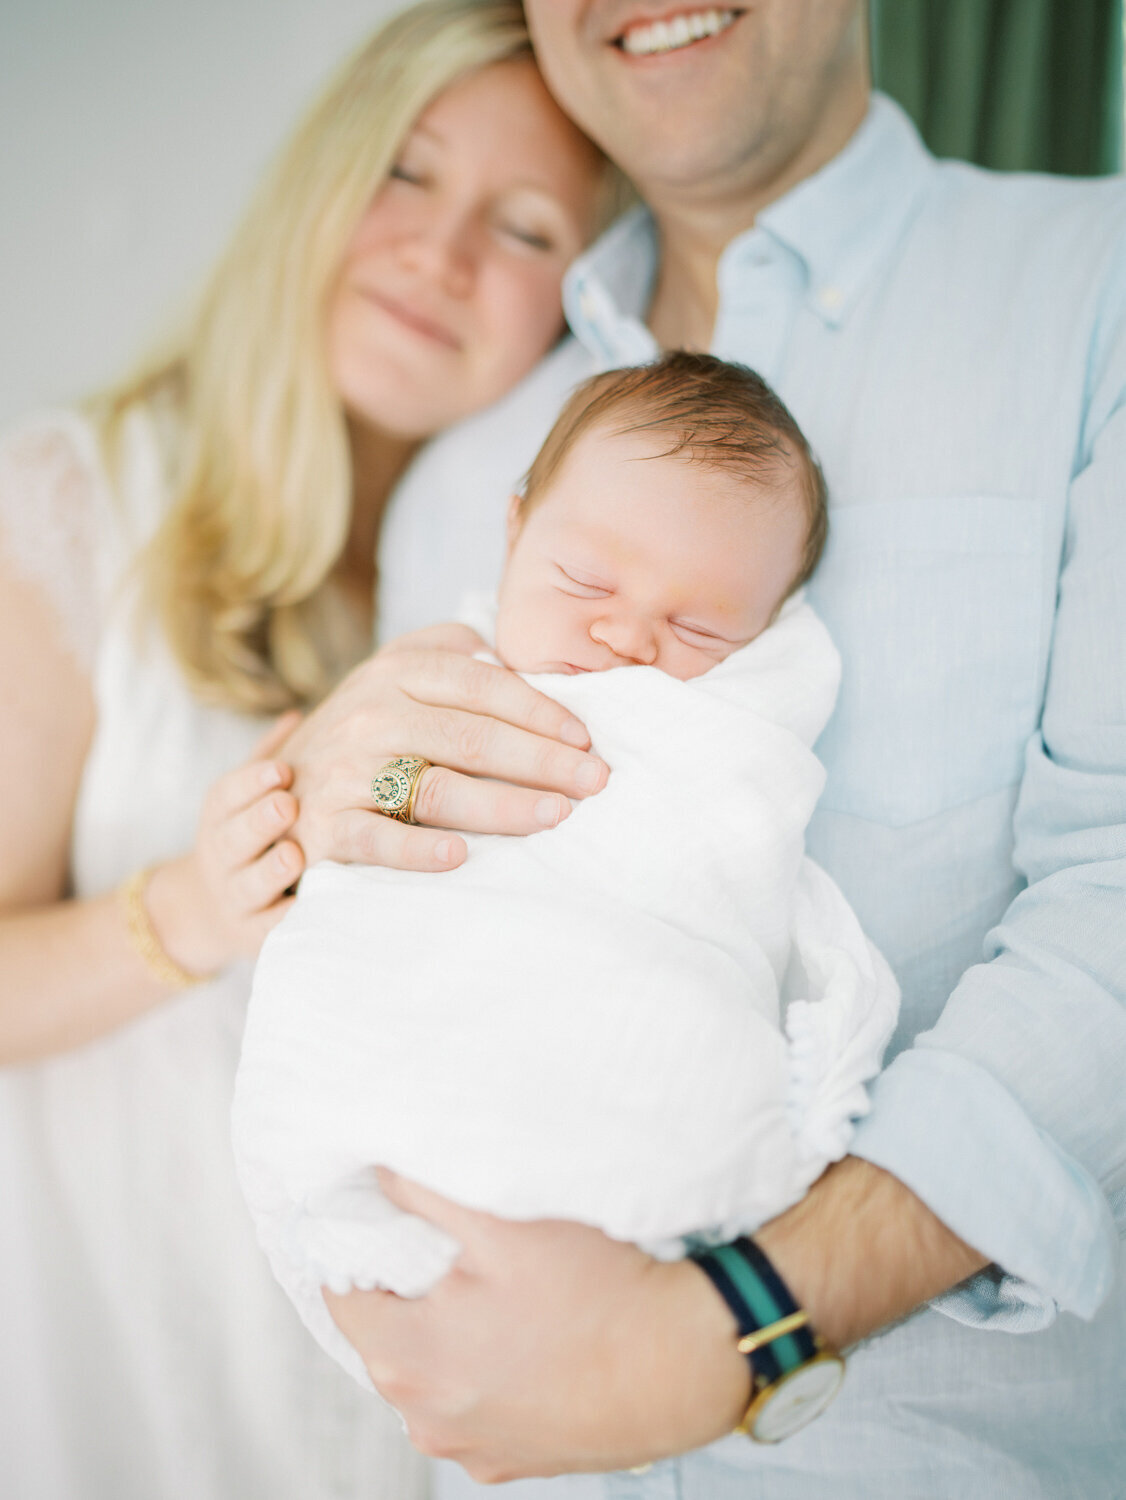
[(442, 246), (629, 636)]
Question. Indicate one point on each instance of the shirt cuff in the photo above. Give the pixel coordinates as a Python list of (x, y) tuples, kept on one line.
[(951, 1132)]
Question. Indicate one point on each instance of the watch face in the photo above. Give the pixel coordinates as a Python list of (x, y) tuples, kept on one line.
[(797, 1398)]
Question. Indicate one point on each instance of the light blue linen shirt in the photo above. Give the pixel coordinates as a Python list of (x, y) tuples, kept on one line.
[(953, 343)]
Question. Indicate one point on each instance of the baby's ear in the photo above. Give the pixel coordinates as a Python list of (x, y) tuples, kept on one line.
[(515, 519)]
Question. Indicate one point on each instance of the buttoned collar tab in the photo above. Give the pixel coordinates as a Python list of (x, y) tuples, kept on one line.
[(845, 220), (607, 292)]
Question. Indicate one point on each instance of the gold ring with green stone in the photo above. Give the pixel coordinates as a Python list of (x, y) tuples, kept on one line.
[(395, 786)]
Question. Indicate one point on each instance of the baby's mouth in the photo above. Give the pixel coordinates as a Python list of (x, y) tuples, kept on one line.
[(648, 38)]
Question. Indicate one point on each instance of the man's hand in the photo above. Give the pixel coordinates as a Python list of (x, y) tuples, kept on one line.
[(505, 757), (551, 1349)]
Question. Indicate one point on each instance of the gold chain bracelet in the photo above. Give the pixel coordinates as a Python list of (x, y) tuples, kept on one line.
[(142, 935)]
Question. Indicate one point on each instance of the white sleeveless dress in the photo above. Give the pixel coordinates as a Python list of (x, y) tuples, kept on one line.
[(146, 1352)]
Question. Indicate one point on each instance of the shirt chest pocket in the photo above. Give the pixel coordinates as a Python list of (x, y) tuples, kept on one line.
[(937, 607)]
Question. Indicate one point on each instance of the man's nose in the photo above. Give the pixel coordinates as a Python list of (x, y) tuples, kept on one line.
[(443, 246), (629, 636)]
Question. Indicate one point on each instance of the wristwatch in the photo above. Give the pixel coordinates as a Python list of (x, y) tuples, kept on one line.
[(794, 1373)]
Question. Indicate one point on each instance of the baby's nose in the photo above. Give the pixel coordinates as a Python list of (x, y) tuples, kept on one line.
[(628, 636)]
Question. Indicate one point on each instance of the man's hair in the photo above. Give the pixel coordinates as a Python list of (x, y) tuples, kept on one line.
[(713, 412)]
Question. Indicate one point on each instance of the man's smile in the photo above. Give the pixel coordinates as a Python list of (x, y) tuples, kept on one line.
[(673, 32)]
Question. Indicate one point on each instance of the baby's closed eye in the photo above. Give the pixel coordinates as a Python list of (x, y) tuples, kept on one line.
[(582, 586), (700, 635)]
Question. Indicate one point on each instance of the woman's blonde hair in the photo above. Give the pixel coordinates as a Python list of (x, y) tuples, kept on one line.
[(261, 475)]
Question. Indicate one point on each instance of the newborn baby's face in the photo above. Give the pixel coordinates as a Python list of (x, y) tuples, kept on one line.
[(632, 559)]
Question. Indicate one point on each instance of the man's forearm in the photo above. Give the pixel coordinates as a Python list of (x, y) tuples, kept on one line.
[(860, 1250), (552, 1349)]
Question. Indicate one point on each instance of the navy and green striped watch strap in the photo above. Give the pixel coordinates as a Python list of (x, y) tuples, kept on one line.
[(758, 1299)]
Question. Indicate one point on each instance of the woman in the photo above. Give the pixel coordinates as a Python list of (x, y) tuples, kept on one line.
[(179, 564)]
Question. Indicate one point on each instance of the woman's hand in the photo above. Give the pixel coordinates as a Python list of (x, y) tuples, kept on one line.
[(549, 1349), (505, 758), (219, 902)]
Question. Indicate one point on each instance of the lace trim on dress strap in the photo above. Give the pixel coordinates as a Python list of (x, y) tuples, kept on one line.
[(54, 515)]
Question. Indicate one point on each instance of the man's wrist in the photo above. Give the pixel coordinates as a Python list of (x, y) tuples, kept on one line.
[(794, 1373), (860, 1250), (711, 1359)]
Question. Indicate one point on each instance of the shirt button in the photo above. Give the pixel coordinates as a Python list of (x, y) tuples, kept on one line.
[(830, 298)]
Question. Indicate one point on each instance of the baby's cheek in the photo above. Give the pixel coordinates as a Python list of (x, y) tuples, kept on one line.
[(684, 671), (506, 632), (687, 661), (519, 633)]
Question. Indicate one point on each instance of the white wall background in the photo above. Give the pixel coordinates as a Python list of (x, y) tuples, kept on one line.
[(131, 132)]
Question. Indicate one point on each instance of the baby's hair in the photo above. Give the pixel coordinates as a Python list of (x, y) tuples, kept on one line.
[(714, 412)]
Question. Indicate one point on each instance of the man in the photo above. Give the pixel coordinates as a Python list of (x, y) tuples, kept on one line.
[(955, 347)]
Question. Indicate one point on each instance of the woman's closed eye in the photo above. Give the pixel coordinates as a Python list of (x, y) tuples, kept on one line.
[(533, 221), (525, 235), (400, 172)]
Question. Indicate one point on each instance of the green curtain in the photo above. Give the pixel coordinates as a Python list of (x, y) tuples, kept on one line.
[(1024, 84)]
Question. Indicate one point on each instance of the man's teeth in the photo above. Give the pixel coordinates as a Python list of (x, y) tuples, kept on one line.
[(681, 31)]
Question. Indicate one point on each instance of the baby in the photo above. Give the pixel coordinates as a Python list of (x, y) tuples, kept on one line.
[(658, 1017), (668, 516)]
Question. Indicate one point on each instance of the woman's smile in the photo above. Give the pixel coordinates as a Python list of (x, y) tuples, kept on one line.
[(413, 319)]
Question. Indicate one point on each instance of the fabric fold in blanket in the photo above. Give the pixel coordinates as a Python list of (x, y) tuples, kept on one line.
[(657, 1018)]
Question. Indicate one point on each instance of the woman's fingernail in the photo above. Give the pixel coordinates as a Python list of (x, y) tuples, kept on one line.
[(589, 776), (550, 811), (283, 857), (269, 776), (573, 733)]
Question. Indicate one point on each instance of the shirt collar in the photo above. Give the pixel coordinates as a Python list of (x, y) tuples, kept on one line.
[(845, 220), (842, 223), (608, 289)]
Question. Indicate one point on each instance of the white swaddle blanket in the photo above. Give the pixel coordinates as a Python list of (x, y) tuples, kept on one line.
[(657, 1018)]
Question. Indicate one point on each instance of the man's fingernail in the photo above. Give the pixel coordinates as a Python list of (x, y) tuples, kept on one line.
[(588, 777), (550, 811), (443, 852), (573, 733)]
